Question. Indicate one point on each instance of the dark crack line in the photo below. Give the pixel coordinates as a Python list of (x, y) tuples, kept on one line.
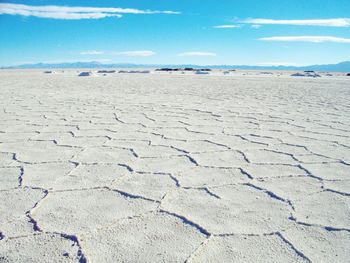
[(106, 188), (217, 144), (328, 228), (35, 224), (177, 182), (271, 194), (246, 173), (308, 173), (298, 252), (132, 196), (244, 156), (20, 177), (192, 160), (206, 189), (188, 222), (75, 240), (183, 152), (133, 152), (127, 167), (320, 140), (245, 234), (198, 249), (247, 140), (337, 192), (284, 153)]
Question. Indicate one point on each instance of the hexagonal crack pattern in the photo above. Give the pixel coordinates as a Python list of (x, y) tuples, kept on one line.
[(175, 169)]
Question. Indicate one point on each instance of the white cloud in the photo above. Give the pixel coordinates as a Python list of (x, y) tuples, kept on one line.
[(91, 52), (197, 54), (255, 26), (72, 13), (227, 26), (335, 22), (141, 53), (312, 39)]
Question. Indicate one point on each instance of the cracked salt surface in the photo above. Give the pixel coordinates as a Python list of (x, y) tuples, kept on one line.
[(14, 207), (247, 249), (239, 210), (151, 186), (90, 176), (210, 176), (87, 209), (173, 169), (39, 248), (155, 238), (324, 208), (9, 177), (45, 175)]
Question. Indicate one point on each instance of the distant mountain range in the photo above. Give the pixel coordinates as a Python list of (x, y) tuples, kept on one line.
[(340, 67)]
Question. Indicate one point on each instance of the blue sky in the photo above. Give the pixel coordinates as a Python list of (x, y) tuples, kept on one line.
[(294, 32)]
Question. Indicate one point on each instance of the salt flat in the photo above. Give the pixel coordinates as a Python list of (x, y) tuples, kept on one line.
[(174, 168)]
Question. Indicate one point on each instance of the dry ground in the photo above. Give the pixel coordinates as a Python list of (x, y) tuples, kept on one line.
[(157, 168)]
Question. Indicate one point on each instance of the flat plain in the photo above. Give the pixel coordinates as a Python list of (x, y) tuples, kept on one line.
[(174, 168)]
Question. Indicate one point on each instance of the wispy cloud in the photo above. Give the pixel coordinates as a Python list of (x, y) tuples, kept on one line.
[(335, 22), (255, 26), (227, 26), (138, 53), (312, 39), (91, 52), (197, 54), (72, 13)]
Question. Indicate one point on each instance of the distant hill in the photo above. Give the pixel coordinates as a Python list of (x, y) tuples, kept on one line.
[(340, 67)]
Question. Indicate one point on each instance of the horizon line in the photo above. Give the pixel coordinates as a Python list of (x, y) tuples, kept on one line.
[(176, 64)]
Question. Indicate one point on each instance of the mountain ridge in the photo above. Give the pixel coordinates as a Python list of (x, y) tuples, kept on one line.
[(339, 67)]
